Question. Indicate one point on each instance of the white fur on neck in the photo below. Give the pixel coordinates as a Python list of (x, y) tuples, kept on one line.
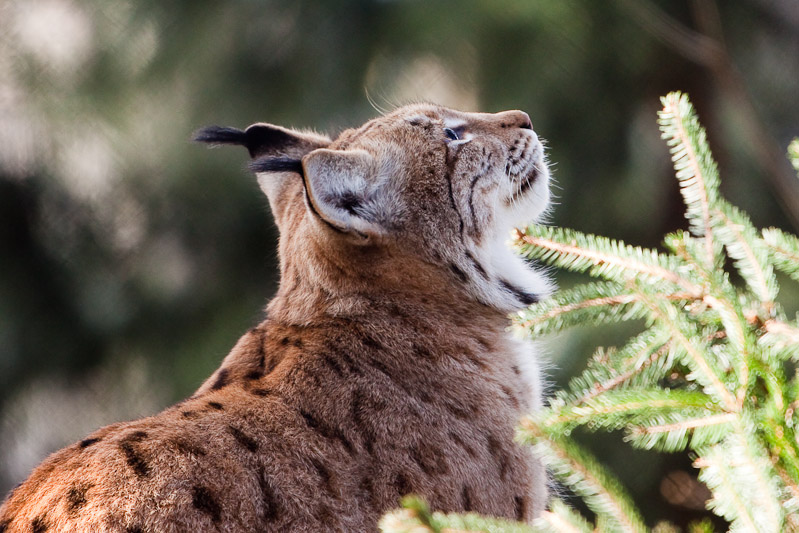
[(499, 260)]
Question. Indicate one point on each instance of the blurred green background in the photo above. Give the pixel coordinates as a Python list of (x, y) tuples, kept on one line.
[(131, 260)]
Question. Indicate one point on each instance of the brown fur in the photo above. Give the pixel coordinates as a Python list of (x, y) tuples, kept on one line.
[(382, 368)]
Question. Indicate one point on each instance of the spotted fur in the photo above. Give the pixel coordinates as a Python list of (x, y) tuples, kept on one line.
[(382, 368)]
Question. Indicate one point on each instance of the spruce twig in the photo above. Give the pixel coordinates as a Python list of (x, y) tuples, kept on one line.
[(695, 168), (577, 469)]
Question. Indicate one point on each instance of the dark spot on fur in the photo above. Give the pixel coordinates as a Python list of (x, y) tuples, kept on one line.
[(498, 452), (461, 275), (516, 370), (368, 489), (402, 484), (203, 500), (494, 448), (380, 366), (521, 507), (254, 374), (85, 443), (134, 529), (187, 447), (285, 341), (327, 431), (262, 392), (271, 363), (504, 467), (324, 474), (76, 497), (357, 409), (460, 442), (525, 298), (477, 265), (4, 525), (467, 499), (137, 436), (342, 356), (371, 342), (268, 499), (462, 411), (221, 379), (133, 456), (216, 406), (245, 440), (452, 203), (514, 401), (189, 414), (261, 351), (297, 343), (422, 351), (39, 525), (429, 459), (484, 344), (334, 365), (474, 359)]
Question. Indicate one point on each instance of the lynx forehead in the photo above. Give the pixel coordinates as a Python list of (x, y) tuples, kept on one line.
[(383, 366)]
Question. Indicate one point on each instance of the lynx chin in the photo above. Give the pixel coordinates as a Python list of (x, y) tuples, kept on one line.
[(383, 366)]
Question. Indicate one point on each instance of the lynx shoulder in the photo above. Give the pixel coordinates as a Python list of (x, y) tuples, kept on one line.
[(383, 366)]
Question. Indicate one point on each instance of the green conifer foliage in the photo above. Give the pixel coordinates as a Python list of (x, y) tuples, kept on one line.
[(713, 374)]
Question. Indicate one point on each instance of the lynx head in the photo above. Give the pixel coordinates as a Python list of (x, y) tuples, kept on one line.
[(423, 196)]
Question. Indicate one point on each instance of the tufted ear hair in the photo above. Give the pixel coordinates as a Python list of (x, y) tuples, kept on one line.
[(344, 192), (264, 140), (276, 154)]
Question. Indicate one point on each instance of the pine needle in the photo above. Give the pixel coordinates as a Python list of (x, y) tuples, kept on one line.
[(695, 168), (784, 250), (601, 257), (582, 473), (561, 519)]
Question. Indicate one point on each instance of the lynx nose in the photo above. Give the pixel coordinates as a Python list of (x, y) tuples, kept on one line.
[(524, 121), (515, 119)]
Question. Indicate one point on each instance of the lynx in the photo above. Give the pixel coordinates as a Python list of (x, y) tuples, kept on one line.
[(383, 366)]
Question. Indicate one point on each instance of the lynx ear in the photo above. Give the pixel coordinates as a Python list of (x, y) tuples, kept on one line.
[(264, 140), (276, 154), (344, 191)]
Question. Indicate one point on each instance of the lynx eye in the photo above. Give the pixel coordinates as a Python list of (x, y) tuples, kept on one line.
[(451, 134)]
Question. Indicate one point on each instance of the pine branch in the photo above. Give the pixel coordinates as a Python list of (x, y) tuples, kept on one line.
[(578, 470), (695, 168), (589, 304), (781, 336), (741, 478), (618, 408), (561, 519), (415, 517), (600, 256), (635, 364), (675, 436), (736, 232), (704, 370), (784, 249)]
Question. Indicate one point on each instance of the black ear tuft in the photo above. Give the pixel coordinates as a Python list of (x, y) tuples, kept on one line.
[(220, 135), (259, 139), (276, 164), (265, 139)]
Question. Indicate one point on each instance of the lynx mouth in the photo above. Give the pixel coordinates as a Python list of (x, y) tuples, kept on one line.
[(525, 170)]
